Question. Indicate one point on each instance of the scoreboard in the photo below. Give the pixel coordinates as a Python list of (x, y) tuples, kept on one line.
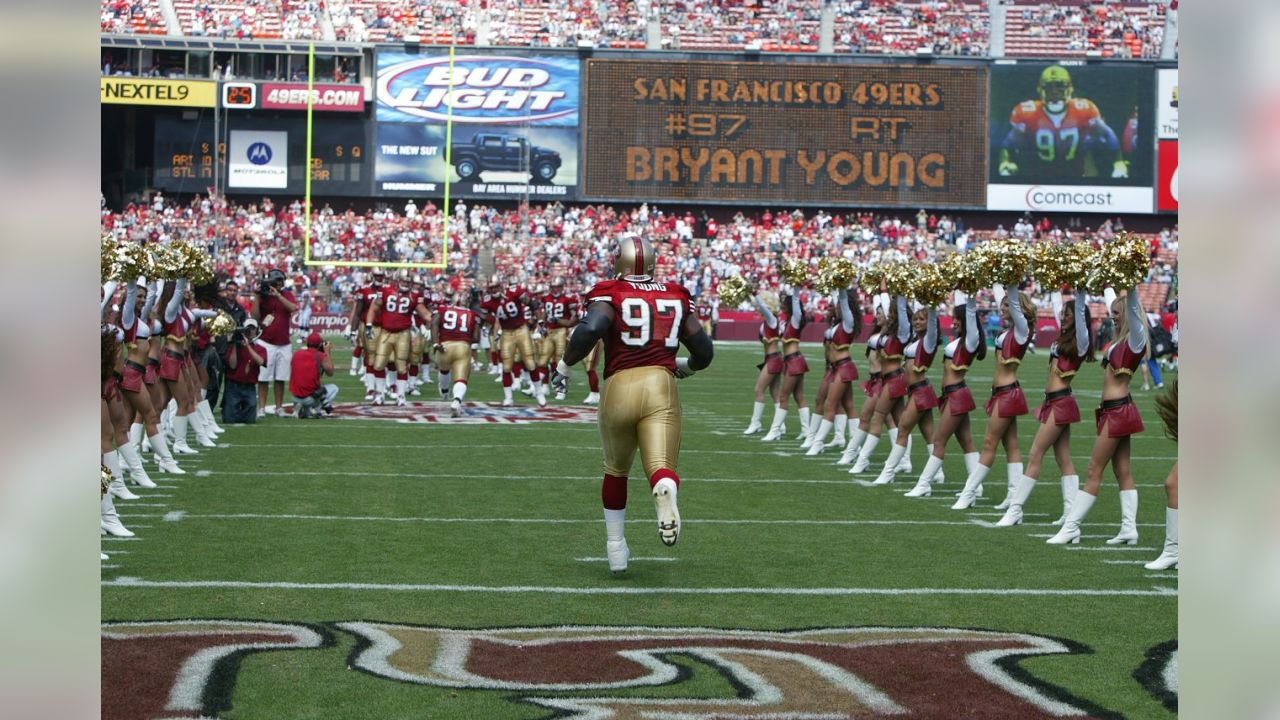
[(749, 132), (185, 152)]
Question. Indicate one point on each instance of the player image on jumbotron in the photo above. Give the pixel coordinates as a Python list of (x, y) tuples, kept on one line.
[(1061, 136)]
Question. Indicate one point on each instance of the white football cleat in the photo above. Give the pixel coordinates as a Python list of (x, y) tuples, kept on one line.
[(664, 497), (377, 398), (507, 402), (415, 392), (560, 396), (592, 399), (526, 391), (618, 554), (455, 408), (400, 401), (270, 410), (542, 399)]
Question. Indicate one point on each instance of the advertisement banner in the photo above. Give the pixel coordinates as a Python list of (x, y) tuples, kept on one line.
[(258, 159), (1071, 137), (1167, 189), (750, 132), (150, 91), (293, 96), (515, 125), (1167, 105)]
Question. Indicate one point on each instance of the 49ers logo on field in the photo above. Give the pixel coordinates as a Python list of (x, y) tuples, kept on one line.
[(187, 669), (472, 413)]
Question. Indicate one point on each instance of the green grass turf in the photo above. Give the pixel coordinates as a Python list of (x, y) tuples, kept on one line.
[(367, 469)]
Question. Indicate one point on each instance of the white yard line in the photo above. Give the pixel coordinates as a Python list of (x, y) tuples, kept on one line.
[(634, 559), (1113, 548), (131, 582), (1125, 562)]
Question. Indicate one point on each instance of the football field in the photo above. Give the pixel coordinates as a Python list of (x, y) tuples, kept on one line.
[(406, 568)]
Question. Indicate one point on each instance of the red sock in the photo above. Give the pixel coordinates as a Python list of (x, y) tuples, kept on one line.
[(413, 371), (593, 381), (536, 374), (517, 371), (355, 352), (613, 492), (664, 473), (380, 373), (494, 358), (506, 379)]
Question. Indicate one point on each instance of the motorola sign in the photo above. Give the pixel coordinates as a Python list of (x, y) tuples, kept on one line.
[(258, 159)]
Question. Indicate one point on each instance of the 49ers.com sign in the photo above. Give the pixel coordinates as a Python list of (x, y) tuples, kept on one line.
[(293, 96), (747, 132)]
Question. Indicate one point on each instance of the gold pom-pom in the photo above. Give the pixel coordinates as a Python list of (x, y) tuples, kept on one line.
[(220, 325), (132, 261), (733, 291), (108, 257), (1055, 265), (196, 265), (1121, 263), (835, 273), (167, 262), (962, 272), (872, 277), (795, 272), (898, 276), (929, 285), (105, 480), (1003, 261)]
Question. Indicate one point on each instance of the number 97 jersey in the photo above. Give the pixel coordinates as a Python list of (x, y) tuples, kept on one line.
[(648, 320)]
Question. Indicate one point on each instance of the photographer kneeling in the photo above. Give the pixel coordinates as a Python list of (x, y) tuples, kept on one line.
[(311, 398), (244, 359)]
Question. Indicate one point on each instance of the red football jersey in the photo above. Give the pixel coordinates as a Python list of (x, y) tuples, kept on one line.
[(398, 308), (556, 308), (364, 298), (1055, 147), (704, 312), (647, 322), (509, 308), (456, 323)]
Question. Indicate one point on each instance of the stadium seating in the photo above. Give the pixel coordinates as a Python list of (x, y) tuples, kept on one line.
[(132, 17), (1076, 28), (936, 26), (246, 19)]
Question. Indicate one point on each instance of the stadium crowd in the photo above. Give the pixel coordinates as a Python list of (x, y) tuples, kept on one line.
[(1134, 28)]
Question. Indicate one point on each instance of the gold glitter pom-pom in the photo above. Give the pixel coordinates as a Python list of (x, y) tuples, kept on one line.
[(132, 261), (962, 272), (795, 272), (220, 325), (108, 257), (167, 262), (1055, 265), (898, 276), (929, 285), (1121, 263), (104, 480), (733, 291), (196, 265), (1003, 261), (835, 273)]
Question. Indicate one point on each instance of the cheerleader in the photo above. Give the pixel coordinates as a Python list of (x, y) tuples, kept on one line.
[(1167, 407), (870, 388), (838, 402), (135, 384), (112, 426), (1073, 348), (956, 401), (1117, 419), (893, 384), (794, 367), (1007, 400), (172, 359), (917, 410), (820, 397), (771, 369)]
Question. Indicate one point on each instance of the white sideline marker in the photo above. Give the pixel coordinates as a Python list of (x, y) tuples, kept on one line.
[(133, 582), (203, 473), (174, 515)]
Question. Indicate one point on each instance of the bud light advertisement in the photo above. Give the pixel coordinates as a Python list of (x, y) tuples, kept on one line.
[(515, 125)]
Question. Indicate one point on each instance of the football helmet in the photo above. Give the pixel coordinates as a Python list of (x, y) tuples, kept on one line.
[(557, 285), (1055, 88), (635, 257), (404, 280)]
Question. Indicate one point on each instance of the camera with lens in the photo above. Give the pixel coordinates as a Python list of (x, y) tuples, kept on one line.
[(275, 279)]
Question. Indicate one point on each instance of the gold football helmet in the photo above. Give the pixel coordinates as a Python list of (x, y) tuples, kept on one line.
[(635, 257)]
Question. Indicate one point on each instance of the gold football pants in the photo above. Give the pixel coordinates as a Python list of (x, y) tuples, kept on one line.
[(457, 357), (516, 341), (552, 346), (394, 346), (640, 406)]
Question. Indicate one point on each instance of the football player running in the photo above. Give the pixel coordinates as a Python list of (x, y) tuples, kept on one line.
[(397, 303), (642, 323), (1051, 137)]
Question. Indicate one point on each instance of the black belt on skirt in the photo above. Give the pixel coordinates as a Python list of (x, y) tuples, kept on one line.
[(893, 374), (153, 361), (841, 361), (875, 376), (135, 366), (1005, 388), (916, 386), (947, 389), (1118, 402), (1065, 392), (794, 354), (769, 355), (172, 354)]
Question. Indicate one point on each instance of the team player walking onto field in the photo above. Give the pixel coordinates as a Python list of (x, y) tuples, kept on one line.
[(1073, 348), (642, 323), (558, 315), (1007, 400), (771, 368), (1117, 419), (398, 304), (508, 308), (456, 327)]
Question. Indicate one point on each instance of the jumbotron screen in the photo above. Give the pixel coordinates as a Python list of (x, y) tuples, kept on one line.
[(731, 132)]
